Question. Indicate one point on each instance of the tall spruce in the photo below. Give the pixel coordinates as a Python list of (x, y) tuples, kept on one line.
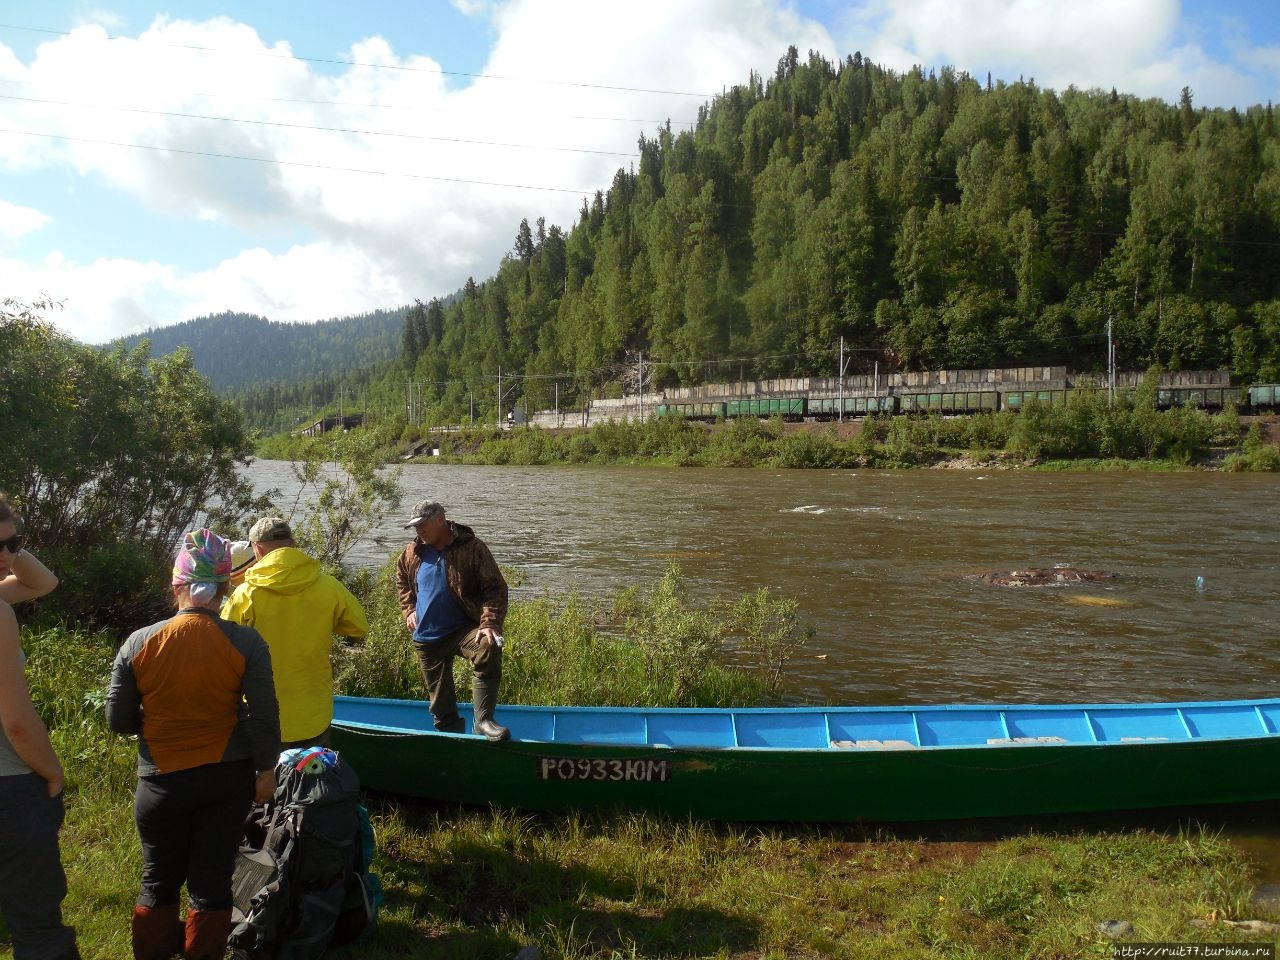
[(930, 219)]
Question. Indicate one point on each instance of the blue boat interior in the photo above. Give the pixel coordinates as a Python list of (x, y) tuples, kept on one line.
[(847, 728)]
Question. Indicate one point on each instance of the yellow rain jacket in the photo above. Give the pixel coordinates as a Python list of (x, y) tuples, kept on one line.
[(297, 608)]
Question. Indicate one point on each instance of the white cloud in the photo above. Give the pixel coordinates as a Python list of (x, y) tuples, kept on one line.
[(431, 208), (472, 8), (365, 186), (16, 222), (1083, 42), (114, 297), (1133, 46), (105, 18)]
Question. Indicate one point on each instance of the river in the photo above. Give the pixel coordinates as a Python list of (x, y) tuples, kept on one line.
[(885, 565)]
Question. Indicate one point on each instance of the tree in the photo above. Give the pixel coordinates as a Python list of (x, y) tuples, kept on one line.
[(411, 340), (113, 456), (922, 212), (346, 491), (523, 248)]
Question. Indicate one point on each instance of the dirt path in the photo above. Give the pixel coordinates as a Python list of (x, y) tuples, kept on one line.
[(1269, 427)]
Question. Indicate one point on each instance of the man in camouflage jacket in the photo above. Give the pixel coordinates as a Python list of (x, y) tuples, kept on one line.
[(454, 601)]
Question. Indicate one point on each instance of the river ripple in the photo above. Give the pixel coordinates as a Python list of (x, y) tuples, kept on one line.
[(884, 565)]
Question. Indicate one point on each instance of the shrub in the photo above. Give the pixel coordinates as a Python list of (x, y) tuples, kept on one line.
[(346, 491), (382, 665), (667, 653), (115, 453), (1255, 455), (766, 633)]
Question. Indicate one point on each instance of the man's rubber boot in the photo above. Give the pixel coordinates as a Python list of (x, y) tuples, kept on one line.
[(207, 934), (454, 724), (157, 932), (485, 696)]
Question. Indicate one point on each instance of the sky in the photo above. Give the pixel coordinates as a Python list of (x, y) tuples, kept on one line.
[(318, 159)]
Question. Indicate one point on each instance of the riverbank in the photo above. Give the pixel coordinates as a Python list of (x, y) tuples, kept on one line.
[(1085, 434), (488, 883), (1054, 438)]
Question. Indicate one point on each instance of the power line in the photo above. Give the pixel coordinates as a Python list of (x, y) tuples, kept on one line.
[(591, 191), (305, 126), (295, 163), (328, 61), (389, 106)]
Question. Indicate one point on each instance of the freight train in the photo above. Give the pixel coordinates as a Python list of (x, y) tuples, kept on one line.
[(1259, 397)]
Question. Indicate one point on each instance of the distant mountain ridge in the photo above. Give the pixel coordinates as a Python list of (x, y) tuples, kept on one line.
[(239, 350)]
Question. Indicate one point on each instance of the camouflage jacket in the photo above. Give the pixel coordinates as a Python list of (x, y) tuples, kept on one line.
[(473, 574)]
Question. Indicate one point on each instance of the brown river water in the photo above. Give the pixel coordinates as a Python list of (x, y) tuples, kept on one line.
[(887, 565)]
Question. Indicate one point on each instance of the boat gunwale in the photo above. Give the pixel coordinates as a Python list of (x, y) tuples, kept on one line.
[(1267, 726)]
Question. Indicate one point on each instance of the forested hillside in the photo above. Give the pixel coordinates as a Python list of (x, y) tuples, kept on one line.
[(930, 219), (239, 350)]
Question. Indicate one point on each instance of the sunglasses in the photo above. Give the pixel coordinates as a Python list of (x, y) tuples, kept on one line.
[(13, 544)]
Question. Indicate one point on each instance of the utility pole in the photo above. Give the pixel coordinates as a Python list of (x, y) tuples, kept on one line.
[(499, 397), (840, 399), (1111, 366), (642, 386)]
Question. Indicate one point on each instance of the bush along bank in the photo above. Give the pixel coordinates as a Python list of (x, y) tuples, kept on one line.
[(487, 883), (1086, 432)]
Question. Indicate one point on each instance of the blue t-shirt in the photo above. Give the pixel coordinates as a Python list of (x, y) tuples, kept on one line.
[(439, 613)]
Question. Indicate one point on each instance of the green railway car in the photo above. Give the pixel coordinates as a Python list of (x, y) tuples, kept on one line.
[(949, 401), (1264, 396), (831, 407), (872, 405), (762, 407), (1016, 399), (703, 410), (1206, 398)]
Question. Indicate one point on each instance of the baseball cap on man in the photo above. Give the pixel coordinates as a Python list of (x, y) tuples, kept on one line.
[(242, 558), (270, 529), (425, 510)]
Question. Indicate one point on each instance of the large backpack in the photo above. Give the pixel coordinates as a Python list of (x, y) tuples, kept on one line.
[(302, 879)]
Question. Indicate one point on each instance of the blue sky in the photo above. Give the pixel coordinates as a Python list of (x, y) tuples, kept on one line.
[(309, 160)]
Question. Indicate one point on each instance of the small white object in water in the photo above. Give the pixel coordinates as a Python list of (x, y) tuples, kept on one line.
[(1200, 584)]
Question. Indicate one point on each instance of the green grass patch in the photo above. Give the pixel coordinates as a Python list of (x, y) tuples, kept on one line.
[(1085, 433), (469, 883)]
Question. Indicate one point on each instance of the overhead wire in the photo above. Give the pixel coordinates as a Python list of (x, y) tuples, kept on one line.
[(722, 204), (313, 101), (333, 61), (305, 126), (298, 163)]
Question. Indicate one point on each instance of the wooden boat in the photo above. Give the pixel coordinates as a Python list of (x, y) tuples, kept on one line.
[(827, 764)]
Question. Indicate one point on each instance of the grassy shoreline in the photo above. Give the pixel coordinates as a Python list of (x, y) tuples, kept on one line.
[(1087, 436), (487, 882)]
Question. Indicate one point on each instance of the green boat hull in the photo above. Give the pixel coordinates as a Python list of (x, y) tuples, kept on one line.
[(766, 785)]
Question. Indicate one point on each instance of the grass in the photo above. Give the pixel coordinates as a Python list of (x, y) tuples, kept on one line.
[(483, 883), (650, 646), (1084, 434)]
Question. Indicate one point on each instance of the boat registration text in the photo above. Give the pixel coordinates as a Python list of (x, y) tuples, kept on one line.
[(584, 768)]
